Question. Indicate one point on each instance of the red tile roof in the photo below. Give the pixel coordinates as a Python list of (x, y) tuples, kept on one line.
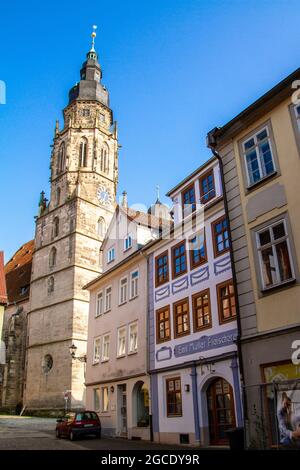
[(3, 296), (18, 273)]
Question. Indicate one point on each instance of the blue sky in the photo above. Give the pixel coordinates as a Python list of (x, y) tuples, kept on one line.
[(174, 70)]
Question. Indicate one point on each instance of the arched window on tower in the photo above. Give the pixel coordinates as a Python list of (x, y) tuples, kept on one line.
[(83, 153), (101, 227), (55, 227), (61, 162), (104, 164), (52, 257)]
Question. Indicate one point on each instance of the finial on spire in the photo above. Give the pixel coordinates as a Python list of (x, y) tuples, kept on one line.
[(93, 35)]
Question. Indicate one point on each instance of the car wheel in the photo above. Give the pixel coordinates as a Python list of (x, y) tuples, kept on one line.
[(57, 433), (98, 435), (72, 436)]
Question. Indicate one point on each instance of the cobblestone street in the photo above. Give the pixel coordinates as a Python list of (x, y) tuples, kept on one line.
[(26, 433)]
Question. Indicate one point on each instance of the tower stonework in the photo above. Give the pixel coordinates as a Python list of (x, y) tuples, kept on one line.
[(69, 232)]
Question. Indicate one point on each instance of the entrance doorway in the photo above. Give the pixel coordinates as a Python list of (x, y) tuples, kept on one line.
[(122, 410), (221, 416)]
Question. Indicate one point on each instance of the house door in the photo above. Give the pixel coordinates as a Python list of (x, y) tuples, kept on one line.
[(221, 414), (123, 409)]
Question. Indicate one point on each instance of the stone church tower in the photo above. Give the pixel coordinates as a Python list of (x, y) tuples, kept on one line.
[(69, 232)]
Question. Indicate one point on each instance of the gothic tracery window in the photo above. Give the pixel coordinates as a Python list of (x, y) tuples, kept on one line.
[(83, 153), (104, 163), (55, 227), (61, 162)]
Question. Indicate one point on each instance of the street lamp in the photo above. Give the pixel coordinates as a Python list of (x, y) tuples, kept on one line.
[(73, 350)]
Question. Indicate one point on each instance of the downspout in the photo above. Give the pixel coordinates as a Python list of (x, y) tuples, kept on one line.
[(211, 144), (147, 341)]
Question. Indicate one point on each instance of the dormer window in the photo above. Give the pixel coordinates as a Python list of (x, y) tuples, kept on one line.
[(188, 200), (127, 242), (111, 255), (207, 187)]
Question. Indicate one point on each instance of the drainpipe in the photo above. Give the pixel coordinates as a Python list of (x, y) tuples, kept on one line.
[(211, 144)]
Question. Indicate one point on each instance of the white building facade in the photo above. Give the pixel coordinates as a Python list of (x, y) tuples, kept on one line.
[(117, 383), (195, 383)]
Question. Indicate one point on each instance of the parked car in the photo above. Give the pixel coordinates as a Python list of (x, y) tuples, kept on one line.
[(79, 423)]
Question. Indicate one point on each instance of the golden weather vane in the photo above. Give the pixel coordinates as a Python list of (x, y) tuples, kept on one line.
[(93, 35)]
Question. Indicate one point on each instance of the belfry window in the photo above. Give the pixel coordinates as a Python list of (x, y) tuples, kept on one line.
[(104, 163), (83, 153), (61, 162)]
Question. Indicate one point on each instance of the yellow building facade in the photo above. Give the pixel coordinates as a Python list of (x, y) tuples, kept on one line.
[(260, 152)]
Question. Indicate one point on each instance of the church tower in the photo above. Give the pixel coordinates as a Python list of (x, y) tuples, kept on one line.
[(69, 232)]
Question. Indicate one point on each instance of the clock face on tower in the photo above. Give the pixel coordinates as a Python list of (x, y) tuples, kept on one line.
[(104, 196)]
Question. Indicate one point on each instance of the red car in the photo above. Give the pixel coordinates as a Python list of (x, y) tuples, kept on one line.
[(79, 423)]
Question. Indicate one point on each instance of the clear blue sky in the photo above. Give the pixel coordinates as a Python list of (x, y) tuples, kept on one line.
[(174, 69)]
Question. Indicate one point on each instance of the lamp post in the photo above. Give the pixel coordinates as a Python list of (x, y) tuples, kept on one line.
[(73, 350)]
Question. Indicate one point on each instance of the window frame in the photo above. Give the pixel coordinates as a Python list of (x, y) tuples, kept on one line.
[(98, 314), (94, 350), (127, 238), (109, 258), (194, 308), (102, 399), (167, 381), (122, 302), (95, 389), (161, 255), (136, 281), (184, 191), (106, 358), (204, 260), (157, 313), (175, 315), (133, 324), (105, 297), (223, 320), (288, 238), (213, 233), (173, 248), (118, 339), (203, 177)]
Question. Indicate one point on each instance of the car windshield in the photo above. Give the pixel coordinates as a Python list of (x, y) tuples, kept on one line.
[(87, 415)]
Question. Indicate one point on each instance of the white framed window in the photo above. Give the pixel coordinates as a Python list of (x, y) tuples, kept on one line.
[(111, 255), (258, 156), (105, 348), (127, 242), (121, 342), (96, 354), (133, 338), (274, 252), (96, 399), (108, 299), (123, 290), (99, 304), (134, 284), (105, 399), (297, 114)]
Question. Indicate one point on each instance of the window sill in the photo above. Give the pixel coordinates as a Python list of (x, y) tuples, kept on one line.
[(174, 416), (132, 298), (107, 311), (99, 315), (161, 341), (120, 357), (95, 363), (161, 283), (104, 360), (127, 249), (277, 287), (132, 353), (122, 303), (261, 181), (217, 255), (227, 320)]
